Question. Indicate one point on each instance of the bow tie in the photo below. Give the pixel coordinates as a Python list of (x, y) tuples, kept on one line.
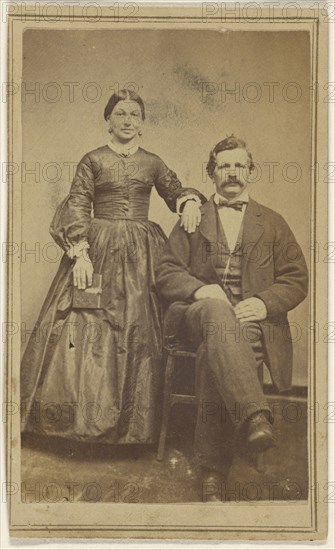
[(237, 205)]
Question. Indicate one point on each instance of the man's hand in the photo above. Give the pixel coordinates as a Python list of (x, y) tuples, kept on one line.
[(191, 216), (82, 272), (251, 309), (210, 291)]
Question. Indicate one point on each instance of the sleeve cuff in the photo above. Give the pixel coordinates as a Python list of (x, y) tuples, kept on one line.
[(270, 301), (180, 203), (77, 250)]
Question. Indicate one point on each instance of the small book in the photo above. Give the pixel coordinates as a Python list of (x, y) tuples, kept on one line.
[(90, 298)]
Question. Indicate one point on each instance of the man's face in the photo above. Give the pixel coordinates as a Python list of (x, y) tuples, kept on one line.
[(231, 172)]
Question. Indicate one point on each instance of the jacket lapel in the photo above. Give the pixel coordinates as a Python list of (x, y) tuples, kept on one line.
[(253, 229), (208, 229), (208, 221)]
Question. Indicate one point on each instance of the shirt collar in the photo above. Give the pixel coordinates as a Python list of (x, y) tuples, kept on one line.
[(244, 197), (123, 150)]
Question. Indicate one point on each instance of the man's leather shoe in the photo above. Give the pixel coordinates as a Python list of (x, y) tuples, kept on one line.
[(259, 433)]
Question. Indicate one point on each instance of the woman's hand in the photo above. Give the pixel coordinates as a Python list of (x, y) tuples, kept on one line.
[(191, 216), (82, 272)]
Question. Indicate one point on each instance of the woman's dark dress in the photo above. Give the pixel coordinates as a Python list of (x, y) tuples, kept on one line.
[(96, 374)]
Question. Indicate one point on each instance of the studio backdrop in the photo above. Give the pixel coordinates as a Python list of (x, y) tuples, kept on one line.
[(253, 84)]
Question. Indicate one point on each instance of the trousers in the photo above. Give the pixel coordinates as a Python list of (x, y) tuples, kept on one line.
[(228, 392)]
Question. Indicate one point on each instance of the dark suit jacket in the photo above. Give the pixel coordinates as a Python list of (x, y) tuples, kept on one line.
[(273, 269)]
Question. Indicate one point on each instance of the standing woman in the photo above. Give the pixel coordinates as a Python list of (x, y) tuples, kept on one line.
[(95, 374)]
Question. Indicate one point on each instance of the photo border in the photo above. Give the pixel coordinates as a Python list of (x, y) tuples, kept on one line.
[(153, 16)]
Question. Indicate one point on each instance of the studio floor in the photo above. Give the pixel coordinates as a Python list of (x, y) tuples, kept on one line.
[(55, 470)]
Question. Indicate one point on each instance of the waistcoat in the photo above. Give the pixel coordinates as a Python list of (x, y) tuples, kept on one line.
[(229, 263)]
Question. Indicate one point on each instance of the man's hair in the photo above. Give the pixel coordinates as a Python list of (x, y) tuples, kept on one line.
[(227, 144)]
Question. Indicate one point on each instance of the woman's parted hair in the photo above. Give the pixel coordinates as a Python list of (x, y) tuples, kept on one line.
[(227, 144), (122, 95)]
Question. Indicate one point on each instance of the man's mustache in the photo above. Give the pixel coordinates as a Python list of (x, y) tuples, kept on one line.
[(232, 180)]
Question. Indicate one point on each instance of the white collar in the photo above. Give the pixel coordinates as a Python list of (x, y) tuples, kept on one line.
[(244, 196), (123, 150)]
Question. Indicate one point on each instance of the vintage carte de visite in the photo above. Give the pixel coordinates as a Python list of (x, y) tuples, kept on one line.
[(167, 271)]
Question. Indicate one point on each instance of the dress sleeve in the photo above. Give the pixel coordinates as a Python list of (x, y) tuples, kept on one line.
[(170, 188), (71, 222)]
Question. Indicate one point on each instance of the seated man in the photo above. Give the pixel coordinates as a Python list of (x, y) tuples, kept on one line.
[(229, 286)]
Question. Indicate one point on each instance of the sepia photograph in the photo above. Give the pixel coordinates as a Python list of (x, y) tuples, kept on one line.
[(167, 271)]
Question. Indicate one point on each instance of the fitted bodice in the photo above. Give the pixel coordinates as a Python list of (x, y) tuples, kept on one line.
[(128, 200), (118, 187), (122, 185)]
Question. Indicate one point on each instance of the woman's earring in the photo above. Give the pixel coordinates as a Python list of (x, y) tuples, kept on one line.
[(140, 132), (110, 130)]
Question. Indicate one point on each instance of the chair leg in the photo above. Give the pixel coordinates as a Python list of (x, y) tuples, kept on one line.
[(260, 374), (260, 457), (260, 462), (257, 460), (166, 406)]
